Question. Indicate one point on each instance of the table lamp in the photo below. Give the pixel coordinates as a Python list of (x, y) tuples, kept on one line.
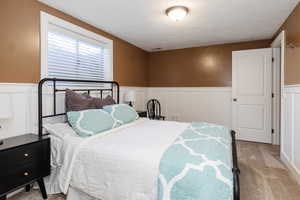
[(130, 97), (5, 109)]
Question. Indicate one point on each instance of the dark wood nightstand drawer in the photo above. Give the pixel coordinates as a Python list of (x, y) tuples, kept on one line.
[(20, 156), (19, 177), (24, 159)]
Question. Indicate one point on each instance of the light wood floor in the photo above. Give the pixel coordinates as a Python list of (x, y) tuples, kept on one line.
[(263, 176)]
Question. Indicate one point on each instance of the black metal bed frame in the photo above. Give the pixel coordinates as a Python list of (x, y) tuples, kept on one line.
[(235, 169), (54, 81)]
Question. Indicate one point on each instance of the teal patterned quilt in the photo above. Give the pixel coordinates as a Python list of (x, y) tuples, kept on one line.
[(198, 165)]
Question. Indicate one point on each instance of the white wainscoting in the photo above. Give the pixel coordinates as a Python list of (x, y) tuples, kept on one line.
[(181, 104), (141, 96), (210, 104), (25, 107), (178, 103), (21, 104), (290, 134)]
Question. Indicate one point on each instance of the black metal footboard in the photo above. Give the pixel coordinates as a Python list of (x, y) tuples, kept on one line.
[(235, 169)]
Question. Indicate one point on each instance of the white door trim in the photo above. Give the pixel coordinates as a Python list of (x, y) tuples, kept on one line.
[(276, 85), (279, 42)]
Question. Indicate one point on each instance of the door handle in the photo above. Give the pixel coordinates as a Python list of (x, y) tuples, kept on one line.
[(234, 99)]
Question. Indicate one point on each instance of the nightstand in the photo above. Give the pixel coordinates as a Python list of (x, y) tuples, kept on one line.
[(142, 113), (24, 160)]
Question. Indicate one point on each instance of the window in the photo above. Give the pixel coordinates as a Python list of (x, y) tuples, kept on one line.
[(71, 52)]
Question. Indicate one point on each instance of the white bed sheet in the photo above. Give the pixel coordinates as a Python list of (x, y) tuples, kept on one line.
[(119, 164)]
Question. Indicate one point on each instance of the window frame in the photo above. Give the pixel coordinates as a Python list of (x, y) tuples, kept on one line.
[(47, 20)]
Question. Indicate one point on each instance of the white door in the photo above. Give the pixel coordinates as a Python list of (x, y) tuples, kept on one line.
[(252, 94)]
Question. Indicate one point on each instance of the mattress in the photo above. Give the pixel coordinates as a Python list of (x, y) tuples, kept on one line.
[(143, 160), (122, 163)]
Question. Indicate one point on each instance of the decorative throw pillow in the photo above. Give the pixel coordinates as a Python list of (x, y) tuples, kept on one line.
[(99, 103), (108, 100), (121, 113), (90, 122), (77, 102)]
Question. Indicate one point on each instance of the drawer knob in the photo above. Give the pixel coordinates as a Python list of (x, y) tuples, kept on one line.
[(26, 174), (26, 154)]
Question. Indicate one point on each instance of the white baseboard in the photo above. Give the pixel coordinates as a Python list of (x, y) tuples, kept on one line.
[(292, 169)]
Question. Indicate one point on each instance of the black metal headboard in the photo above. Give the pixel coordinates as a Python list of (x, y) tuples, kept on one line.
[(54, 82)]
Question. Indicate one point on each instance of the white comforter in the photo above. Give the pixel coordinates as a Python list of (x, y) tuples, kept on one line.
[(122, 163)]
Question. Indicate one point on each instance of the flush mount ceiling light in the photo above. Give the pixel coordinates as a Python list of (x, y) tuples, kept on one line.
[(177, 13)]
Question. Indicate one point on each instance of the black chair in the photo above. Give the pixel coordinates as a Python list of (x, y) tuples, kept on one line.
[(154, 110)]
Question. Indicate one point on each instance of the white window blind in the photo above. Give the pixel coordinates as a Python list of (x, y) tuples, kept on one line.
[(74, 56)]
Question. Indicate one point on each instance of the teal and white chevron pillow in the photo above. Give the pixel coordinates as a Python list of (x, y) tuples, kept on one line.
[(90, 122), (121, 113)]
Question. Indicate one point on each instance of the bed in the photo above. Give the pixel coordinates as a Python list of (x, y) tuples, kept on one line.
[(189, 160)]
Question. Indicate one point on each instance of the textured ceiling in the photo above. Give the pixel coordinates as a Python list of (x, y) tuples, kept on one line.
[(144, 24)]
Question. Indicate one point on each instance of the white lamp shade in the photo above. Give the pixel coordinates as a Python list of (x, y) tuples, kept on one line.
[(5, 106), (129, 96)]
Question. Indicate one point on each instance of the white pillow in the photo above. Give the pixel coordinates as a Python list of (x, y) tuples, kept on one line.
[(60, 130)]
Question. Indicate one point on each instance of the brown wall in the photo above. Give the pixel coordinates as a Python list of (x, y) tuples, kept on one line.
[(20, 45), (196, 67), (201, 66), (292, 61)]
